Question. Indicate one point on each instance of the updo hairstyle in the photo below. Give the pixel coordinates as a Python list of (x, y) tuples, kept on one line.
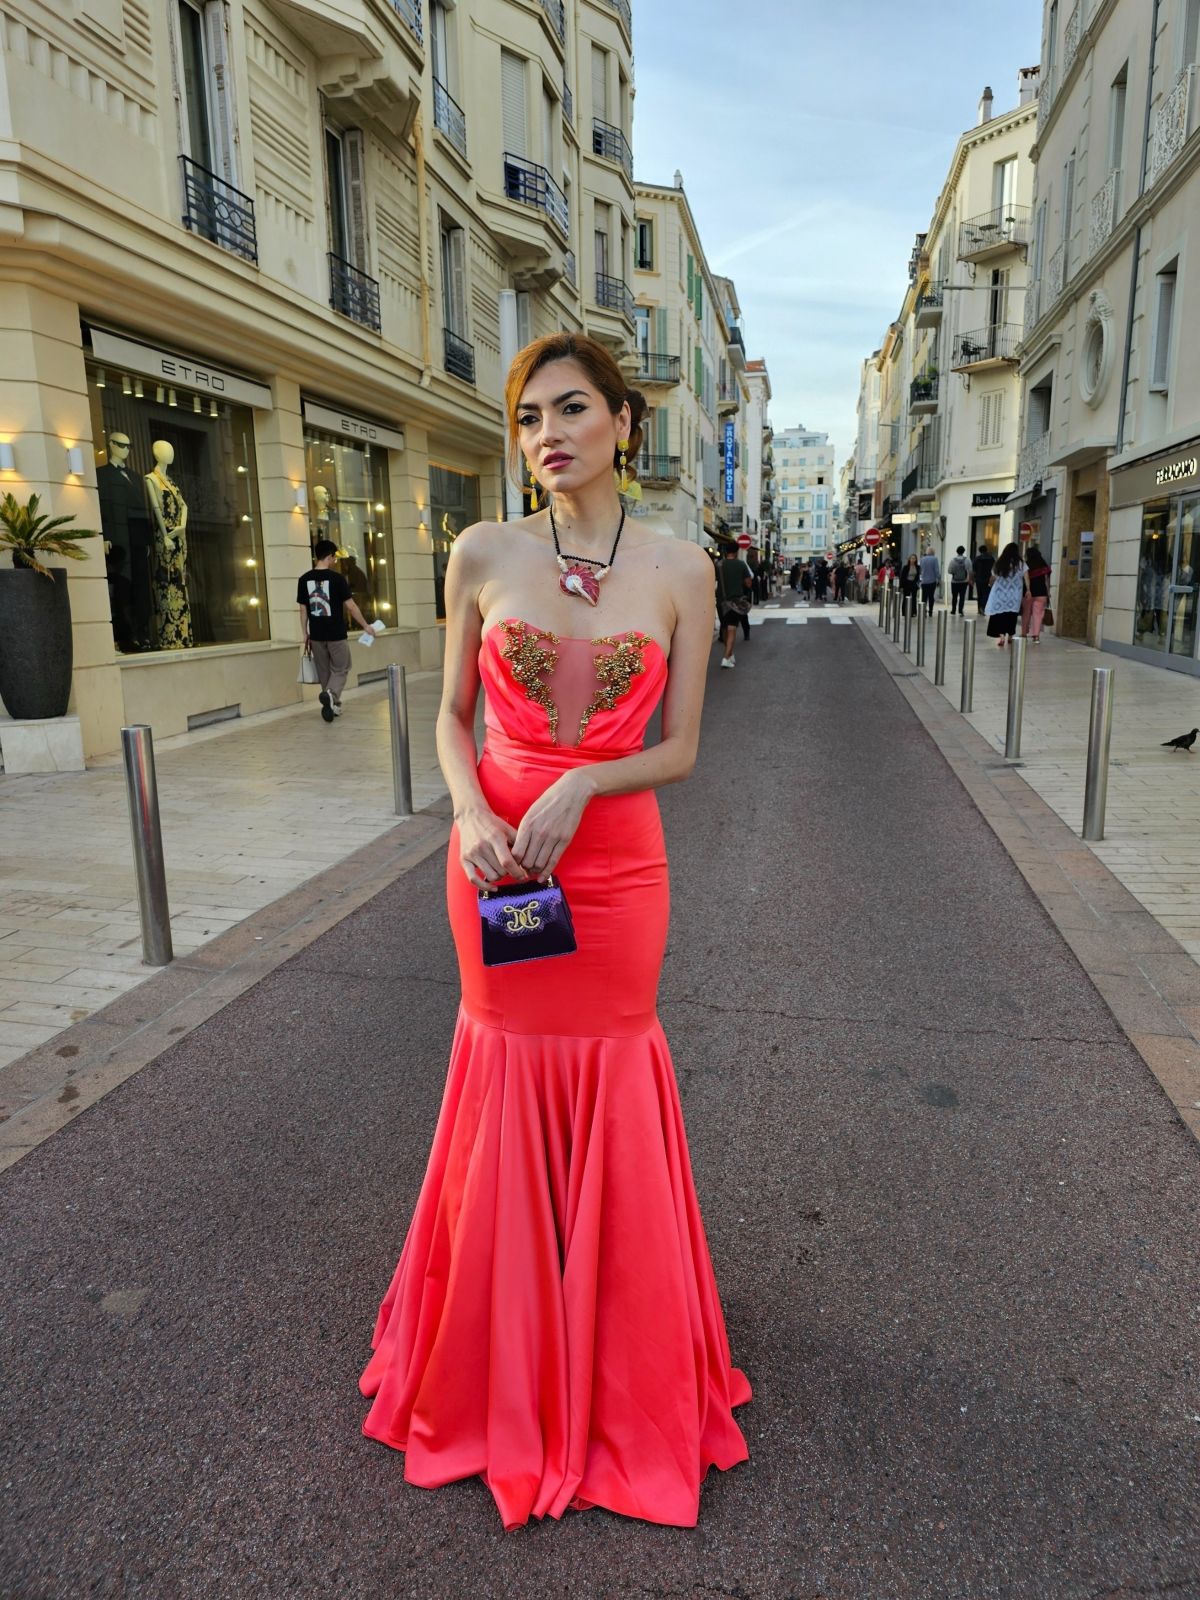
[(603, 373)]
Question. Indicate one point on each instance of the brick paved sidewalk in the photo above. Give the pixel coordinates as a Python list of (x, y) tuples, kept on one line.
[(249, 811)]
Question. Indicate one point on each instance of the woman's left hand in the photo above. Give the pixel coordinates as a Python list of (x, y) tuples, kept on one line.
[(549, 825)]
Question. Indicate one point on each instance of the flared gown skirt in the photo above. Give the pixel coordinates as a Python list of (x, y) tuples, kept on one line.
[(554, 1324)]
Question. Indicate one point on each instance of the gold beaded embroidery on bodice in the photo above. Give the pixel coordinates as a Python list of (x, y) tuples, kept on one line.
[(590, 675)]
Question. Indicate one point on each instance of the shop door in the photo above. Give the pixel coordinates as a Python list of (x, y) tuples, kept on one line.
[(1181, 623), (985, 535)]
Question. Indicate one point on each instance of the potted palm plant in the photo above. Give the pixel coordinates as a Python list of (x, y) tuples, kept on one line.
[(35, 610)]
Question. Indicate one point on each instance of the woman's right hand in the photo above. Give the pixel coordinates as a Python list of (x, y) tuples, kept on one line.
[(485, 847)]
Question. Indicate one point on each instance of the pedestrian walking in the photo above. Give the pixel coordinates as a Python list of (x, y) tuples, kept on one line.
[(820, 579), (860, 581), (794, 576), (910, 586), (839, 582), (981, 571), (323, 595), (959, 570), (806, 582), (1037, 594), (931, 576), (735, 583), (565, 1345), (1006, 594)]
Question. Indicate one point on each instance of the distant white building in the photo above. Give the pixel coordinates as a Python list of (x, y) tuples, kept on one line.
[(805, 482)]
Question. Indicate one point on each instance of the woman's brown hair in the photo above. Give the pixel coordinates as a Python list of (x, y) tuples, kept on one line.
[(602, 372)]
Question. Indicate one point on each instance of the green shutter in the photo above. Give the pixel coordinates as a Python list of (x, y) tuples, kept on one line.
[(699, 379), (660, 330), (691, 279), (699, 298)]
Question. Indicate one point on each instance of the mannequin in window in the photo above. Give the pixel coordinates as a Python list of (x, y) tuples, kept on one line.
[(325, 517), (171, 605), (125, 520)]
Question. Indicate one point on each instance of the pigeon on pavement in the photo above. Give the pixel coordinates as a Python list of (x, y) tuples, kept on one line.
[(1185, 741)]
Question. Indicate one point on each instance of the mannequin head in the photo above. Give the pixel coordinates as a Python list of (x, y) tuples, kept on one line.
[(164, 453), (118, 449), (321, 501)]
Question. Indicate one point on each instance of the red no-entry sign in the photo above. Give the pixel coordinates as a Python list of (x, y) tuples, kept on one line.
[(872, 537), (744, 541)]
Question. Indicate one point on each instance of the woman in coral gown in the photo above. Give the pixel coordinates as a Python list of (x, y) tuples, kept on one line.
[(554, 1324)]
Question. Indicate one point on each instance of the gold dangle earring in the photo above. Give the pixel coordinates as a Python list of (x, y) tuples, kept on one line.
[(623, 446), (533, 492)]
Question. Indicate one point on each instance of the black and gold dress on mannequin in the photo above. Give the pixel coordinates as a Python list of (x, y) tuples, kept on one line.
[(172, 609)]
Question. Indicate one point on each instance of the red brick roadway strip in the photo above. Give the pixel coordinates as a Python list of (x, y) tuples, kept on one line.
[(952, 1212)]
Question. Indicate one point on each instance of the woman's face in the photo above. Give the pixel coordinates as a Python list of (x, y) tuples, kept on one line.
[(565, 429)]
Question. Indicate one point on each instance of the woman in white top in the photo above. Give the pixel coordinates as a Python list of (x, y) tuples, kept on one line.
[(1006, 595)]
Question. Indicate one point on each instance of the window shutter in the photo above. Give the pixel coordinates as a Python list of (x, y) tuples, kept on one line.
[(1162, 330), (354, 153), (699, 297), (512, 100), (699, 375), (660, 330), (691, 280), (600, 83)]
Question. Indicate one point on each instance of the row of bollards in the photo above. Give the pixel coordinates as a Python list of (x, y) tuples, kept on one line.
[(1095, 795), (145, 824)]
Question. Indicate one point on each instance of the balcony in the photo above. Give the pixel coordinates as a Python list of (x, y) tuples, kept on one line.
[(994, 234), (658, 469), (557, 17), (612, 144), (929, 309), (571, 272), (1033, 461), (614, 295), (737, 348), (568, 104), (1033, 306), (995, 346), (923, 393), (1071, 36), (1056, 271), (217, 211), (353, 294), (1047, 90), (656, 368), (621, 7), (531, 185), (919, 479), (369, 53), (729, 398), (459, 356), (1172, 125), (1104, 211), (448, 115)]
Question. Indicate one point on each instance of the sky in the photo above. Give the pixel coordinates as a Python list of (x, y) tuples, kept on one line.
[(813, 139)]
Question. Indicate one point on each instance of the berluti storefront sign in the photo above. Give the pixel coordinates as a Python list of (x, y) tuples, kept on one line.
[(362, 429), (1158, 478), (168, 367)]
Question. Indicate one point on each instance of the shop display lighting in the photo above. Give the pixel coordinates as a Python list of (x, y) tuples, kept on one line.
[(251, 562), (161, 395), (101, 378), (212, 409), (126, 386), (138, 392), (171, 398), (196, 406), (241, 469), (246, 517)]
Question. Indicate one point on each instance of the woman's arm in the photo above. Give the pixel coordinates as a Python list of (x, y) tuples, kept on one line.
[(483, 837), (549, 825)]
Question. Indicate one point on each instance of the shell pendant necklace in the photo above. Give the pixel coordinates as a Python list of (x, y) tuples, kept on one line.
[(580, 574)]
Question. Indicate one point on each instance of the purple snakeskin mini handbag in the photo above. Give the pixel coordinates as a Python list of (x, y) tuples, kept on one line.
[(525, 922)]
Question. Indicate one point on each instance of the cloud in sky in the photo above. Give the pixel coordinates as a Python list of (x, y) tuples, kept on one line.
[(813, 137)]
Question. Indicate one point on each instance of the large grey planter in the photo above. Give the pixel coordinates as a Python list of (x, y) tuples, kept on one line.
[(35, 643)]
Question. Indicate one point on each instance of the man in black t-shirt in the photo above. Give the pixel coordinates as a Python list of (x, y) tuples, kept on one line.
[(324, 597)]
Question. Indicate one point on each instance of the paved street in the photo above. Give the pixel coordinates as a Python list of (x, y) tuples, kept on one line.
[(953, 1217)]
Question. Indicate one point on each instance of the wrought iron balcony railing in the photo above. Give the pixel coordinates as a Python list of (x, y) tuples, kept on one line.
[(1172, 125), (1005, 228), (984, 346), (612, 144), (409, 11), (460, 356), (1033, 461), (656, 368), (556, 12), (1056, 269), (531, 185), (929, 308), (923, 392), (568, 104), (658, 469), (572, 269), (1104, 211), (217, 211), (613, 293), (352, 293), (448, 115)]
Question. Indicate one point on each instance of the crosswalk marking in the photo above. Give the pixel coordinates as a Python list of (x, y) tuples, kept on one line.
[(796, 619)]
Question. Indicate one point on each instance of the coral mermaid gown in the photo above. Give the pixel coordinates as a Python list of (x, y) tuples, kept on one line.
[(554, 1324)]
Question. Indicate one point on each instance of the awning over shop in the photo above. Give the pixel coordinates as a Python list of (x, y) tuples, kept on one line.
[(1022, 497)]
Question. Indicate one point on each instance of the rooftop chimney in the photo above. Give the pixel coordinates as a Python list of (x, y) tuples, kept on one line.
[(985, 107), (1028, 79), (678, 178)]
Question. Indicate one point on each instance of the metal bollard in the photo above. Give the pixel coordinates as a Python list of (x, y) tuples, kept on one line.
[(921, 637), (398, 721), (141, 788), (895, 616), (908, 622), (939, 650), (1016, 698), (882, 607), (966, 700), (1095, 790)]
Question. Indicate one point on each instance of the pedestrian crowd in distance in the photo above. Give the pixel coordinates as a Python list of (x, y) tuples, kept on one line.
[(1010, 589)]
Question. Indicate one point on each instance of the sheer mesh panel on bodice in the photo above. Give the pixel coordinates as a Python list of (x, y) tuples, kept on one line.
[(567, 684)]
